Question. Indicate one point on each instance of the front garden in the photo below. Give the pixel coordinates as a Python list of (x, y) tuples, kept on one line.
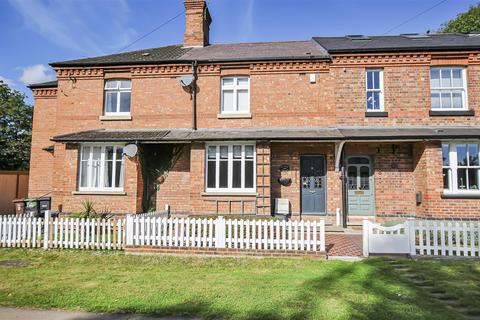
[(240, 288)]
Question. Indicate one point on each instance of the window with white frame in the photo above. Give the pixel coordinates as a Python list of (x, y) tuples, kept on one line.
[(461, 167), (101, 168), (230, 167), (448, 88), (235, 97), (117, 97), (374, 85)]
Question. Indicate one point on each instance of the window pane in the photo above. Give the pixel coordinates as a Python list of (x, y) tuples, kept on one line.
[(369, 80), (462, 179), (457, 99), (85, 153), (237, 174), (242, 81), (370, 101), (473, 154), (96, 155), (223, 175), (212, 152), (364, 178), (249, 152), (107, 175), (457, 78), (462, 155), (211, 174), (227, 81), (125, 84), (435, 96), (242, 100), (109, 153), (446, 178), (446, 78), (237, 152), (111, 102), (446, 100), (376, 79), (111, 84), (249, 174), (473, 179), (119, 153), (352, 178), (84, 174), (223, 152), (227, 100), (445, 155), (125, 101), (435, 78), (376, 100), (119, 174)]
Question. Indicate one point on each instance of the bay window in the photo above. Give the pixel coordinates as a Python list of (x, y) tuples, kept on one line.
[(101, 168), (117, 97), (448, 88), (235, 96), (461, 167), (230, 167)]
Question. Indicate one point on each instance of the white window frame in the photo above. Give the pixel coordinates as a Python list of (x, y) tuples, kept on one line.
[(102, 168), (230, 189), (118, 90), (380, 90), (234, 87), (441, 89), (453, 167)]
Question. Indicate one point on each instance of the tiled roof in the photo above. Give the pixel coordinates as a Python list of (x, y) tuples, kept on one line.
[(144, 56), (407, 42), (311, 133), (48, 84)]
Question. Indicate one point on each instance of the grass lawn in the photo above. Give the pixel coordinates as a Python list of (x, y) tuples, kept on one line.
[(243, 288)]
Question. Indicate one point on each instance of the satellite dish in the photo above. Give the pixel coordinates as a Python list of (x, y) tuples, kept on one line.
[(130, 150), (187, 80)]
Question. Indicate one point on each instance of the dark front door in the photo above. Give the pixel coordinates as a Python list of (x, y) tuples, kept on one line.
[(313, 183)]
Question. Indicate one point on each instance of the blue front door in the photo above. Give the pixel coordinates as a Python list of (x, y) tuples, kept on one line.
[(313, 183)]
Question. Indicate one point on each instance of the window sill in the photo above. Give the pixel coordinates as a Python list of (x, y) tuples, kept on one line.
[(452, 113), (461, 195), (379, 114), (229, 194), (116, 118), (100, 193), (234, 116)]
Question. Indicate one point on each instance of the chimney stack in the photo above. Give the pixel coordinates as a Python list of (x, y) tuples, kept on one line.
[(197, 24)]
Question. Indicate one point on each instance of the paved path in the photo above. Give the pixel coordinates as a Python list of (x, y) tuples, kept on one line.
[(343, 245), (35, 314)]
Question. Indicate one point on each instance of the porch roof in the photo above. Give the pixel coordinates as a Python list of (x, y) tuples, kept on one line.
[(310, 133)]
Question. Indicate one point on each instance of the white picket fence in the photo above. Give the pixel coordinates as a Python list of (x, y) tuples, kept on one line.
[(66, 233), (222, 233), (423, 238)]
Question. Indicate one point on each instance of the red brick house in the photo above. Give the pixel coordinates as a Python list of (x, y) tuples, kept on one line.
[(384, 127)]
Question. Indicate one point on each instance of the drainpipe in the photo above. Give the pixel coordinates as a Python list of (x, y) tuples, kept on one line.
[(194, 95)]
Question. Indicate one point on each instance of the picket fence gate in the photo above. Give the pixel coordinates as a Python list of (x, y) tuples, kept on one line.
[(222, 233), (423, 238), (65, 233)]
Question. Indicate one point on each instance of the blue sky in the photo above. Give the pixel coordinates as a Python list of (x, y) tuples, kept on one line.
[(36, 32)]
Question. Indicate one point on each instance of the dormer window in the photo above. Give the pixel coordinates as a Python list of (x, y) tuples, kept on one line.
[(235, 97), (117, 97)]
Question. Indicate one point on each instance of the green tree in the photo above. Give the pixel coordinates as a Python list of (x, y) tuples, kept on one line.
[(464, 22), (15, 129)]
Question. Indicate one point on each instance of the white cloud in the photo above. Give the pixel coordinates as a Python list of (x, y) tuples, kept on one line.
[(79, 25), (7, 81), (248, 21), (36, 74)]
